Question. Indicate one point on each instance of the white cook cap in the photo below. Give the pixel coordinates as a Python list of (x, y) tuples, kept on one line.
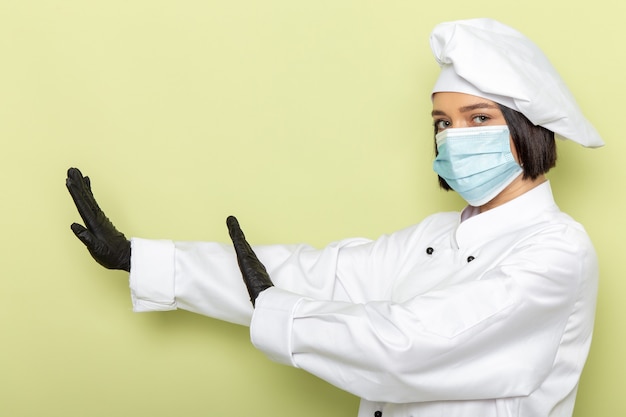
[(485, 58)]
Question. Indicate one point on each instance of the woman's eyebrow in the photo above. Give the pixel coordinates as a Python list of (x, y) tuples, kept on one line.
[(477, 106), (465, 109)]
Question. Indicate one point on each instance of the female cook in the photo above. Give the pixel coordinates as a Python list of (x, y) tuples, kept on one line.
[(487, 312)]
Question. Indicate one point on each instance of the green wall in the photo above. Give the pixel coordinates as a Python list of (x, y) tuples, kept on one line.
[(309, 120)]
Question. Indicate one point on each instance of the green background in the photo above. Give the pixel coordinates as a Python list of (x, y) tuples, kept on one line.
[(309, 120)]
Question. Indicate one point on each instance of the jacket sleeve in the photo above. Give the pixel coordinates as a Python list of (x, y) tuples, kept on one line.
[(493, 337), (204, 277)]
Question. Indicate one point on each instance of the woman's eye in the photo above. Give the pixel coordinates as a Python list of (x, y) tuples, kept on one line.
[(481, 118), (441, 124)]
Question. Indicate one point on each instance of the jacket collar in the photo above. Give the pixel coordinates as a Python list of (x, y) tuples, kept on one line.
[(521, 211)]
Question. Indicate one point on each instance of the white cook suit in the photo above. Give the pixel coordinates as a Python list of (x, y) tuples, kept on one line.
[(461, 315)]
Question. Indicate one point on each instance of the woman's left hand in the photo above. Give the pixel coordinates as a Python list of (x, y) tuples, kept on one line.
[(254, 273)]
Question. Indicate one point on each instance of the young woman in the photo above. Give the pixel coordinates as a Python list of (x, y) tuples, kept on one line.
[(488, 312)]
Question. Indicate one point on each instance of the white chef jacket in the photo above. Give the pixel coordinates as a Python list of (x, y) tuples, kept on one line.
[(491, 316)]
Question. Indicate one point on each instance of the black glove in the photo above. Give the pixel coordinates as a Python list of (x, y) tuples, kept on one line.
[(105, 243), (254, 274)]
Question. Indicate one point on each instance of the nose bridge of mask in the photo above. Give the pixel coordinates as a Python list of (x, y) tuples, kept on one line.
[(468, 136)]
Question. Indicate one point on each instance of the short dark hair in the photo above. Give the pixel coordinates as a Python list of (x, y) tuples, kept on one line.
[(535, 145)]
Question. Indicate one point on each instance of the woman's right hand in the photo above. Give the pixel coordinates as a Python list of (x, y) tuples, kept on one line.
[(108, 246), (254, 274)]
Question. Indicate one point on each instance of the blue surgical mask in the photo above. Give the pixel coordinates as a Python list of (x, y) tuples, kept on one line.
[(476, 162)]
